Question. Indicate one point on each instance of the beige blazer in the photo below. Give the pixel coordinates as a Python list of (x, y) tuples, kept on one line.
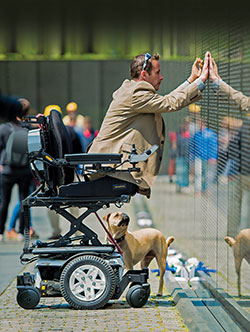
[(134, 117), (242, 100)]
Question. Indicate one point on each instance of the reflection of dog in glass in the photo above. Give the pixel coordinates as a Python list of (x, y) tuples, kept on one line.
[(140, 246), (241, 249)]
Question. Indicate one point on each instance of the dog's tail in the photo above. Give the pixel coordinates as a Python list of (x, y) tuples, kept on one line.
[(169, 240), (229, 240)]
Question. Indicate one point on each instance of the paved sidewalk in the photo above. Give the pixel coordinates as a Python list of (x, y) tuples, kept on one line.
[(55, 314)]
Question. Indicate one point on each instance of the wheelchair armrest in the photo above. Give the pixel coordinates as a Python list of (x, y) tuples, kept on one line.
[(135, 158), (93, 158)]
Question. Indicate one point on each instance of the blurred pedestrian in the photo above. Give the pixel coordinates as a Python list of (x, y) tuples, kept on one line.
[(11, 232), (172, 155), (182, 158), (13, 174), (228, 130), (87, 134), (73, 118), (205, 146), (194, 118)]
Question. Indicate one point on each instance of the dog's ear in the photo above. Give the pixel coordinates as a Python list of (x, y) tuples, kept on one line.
[(125, 220), (106, 218)]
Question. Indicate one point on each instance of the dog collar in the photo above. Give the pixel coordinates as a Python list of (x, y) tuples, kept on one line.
[(120, 239)]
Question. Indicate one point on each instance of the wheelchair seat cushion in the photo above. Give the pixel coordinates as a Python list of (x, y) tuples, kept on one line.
[(103, 187)]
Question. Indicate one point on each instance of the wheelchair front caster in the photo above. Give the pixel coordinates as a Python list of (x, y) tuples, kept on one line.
[(87, 282), (138, 295), (28, 297)]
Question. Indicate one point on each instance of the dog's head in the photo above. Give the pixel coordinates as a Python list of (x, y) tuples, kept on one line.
[(117, 223)]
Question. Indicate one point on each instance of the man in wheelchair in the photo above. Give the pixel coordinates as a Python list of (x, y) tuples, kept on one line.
[(84, 271), (90, 273)]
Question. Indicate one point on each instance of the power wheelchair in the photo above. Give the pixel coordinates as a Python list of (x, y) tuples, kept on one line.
[(86, 272)]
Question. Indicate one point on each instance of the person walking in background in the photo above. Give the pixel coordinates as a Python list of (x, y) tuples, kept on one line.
[(87, 134), (73, 118), (229, 128), (13, 174), (11, 232), (194, 117), (172, 155), (205, 146), (182, 157)]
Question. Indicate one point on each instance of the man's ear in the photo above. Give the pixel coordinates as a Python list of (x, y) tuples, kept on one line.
[(143, 74), (106, 218)]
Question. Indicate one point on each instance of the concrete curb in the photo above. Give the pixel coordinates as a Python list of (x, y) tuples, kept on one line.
[(192, 309), (228, 302)]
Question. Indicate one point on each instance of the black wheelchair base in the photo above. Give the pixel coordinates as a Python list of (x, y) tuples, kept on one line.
[(87, 277)]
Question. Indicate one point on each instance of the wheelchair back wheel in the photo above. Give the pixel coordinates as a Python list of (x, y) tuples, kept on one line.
[(87, 282)]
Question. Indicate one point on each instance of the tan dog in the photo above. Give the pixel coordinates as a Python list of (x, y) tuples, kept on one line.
[(140, 246), (241, 249)]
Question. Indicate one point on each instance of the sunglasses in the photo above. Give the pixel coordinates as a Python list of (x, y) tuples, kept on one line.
[(147, 57)]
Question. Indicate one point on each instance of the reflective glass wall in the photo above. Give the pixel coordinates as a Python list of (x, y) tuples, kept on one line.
[(205, 199)]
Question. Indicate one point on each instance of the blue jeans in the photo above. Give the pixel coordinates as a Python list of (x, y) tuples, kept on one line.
[(15, 215), (205, 174), (182, 171)]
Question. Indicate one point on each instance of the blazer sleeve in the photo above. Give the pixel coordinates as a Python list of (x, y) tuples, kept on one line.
[(147, 101), (242, 100)]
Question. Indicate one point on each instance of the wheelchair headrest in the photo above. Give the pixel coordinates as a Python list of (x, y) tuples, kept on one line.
[(59, 145)]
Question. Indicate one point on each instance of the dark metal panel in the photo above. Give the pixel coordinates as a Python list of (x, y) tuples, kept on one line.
[(53, 82), (3, 77), (20, 80), (85, 88)]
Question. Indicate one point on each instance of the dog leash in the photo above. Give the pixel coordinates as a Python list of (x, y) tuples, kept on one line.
[(109, 234)]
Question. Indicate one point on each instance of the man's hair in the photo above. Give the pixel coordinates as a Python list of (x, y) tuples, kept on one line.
[(138, 62), (25, 106), (10, 108)]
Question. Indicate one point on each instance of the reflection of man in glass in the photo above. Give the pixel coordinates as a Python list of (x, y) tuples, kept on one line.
[(239, 194)]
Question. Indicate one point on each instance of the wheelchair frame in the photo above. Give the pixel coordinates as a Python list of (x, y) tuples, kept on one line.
[(87, 274)]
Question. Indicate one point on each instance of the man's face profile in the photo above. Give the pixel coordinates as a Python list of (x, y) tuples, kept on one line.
[(155, 77)]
